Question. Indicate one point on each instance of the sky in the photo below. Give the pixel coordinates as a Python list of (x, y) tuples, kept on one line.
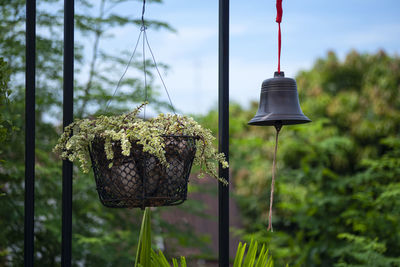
[(310, 28)]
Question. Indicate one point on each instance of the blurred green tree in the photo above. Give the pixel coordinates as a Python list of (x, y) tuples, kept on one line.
[(338, 178), (101, 236), (5, 126)]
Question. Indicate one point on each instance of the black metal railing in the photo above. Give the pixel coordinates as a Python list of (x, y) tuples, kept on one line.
[(68, 118)]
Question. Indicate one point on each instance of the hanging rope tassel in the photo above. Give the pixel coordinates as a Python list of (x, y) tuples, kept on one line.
[(279, 13), (278, 128)]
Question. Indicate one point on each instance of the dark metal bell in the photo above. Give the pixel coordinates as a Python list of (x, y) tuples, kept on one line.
[(279, 103)]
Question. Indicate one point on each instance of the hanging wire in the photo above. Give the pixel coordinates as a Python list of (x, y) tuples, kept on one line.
[(126, 69), (159, 74), (145, 42), (143, 29)]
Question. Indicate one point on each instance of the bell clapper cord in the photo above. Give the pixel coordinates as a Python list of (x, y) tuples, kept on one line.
[(278, 127), (145, 41)]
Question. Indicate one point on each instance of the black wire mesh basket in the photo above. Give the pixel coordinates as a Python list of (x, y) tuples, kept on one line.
[(140, 180)]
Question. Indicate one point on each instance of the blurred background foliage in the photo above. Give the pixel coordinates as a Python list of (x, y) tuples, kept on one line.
[(338, 185), (337, 193), (101, 236)]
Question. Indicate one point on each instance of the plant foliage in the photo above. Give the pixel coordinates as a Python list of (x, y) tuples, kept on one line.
[(253, 258), (5, 125), (124, 130), (145, 255)]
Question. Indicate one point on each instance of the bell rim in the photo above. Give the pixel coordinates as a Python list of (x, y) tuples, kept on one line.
[(284, 119)]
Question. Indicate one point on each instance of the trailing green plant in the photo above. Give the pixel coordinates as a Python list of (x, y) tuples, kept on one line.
[(127, 129), (145, 255)]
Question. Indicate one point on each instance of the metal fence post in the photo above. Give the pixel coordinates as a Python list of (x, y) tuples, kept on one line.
[(68, 97), (30, 90), (223, 131)]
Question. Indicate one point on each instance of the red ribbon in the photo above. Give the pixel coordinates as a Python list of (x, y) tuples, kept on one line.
[(279, 13)]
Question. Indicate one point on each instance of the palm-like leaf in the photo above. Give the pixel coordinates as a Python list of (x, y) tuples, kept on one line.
[(145, 255), (252, 258)]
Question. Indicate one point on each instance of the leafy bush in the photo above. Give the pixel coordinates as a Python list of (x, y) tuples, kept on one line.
[(338, 178), (5, 125)]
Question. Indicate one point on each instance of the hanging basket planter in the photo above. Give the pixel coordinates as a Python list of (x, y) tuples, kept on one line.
[(140, 180), (137, 162)]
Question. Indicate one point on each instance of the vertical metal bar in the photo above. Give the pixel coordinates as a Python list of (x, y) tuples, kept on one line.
[(68, 115), (30, 83), (223, 130)]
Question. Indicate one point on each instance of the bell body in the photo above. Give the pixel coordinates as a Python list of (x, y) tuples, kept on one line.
[(279, 103)]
